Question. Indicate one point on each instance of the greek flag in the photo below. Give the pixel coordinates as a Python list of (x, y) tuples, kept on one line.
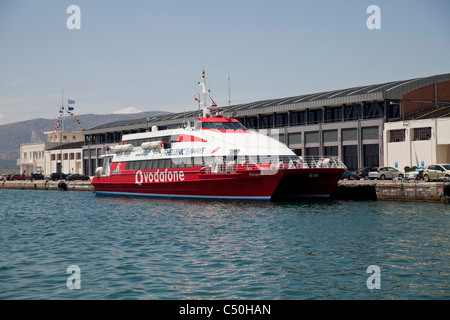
[(70, 101)]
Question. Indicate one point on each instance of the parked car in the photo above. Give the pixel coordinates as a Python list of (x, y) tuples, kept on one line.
[(57, 176), (416, 174), (350, 175), (37, 176), (364, 172), (18, 177), (77, 176), (436, 171), (383, 173)]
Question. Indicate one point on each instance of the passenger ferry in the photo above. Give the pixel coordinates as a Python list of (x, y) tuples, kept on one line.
[(218, 158)]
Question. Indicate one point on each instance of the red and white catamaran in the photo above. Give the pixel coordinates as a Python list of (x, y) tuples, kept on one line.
[(217, 159)]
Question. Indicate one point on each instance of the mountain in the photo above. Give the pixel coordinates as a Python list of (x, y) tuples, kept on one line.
[(12, 135)]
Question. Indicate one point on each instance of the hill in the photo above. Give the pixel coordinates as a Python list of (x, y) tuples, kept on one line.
[(12, 135)]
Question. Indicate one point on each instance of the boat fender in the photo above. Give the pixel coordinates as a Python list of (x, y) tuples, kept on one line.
[(62, 186), (99, 171)]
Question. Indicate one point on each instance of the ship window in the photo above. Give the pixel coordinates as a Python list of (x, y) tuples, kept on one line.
[(167, 163), (229, 125), (198, 161), (208, 160), (218, 125), (176, 162), (267, 159), (253, 159)]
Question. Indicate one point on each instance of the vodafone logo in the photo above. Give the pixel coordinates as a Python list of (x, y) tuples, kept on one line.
[(158, 176)]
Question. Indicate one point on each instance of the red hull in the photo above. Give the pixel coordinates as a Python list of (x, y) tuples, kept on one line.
[(280, 184)]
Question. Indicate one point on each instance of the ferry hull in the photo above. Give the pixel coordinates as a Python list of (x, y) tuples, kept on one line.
[(265, 185)]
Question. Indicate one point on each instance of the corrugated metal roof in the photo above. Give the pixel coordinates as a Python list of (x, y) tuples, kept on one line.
[(389, 90)]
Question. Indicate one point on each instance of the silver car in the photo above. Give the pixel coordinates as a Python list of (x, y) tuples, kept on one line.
[(383, 173), (436, 172)]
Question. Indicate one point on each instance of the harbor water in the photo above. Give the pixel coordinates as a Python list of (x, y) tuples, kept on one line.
[(74, 245)]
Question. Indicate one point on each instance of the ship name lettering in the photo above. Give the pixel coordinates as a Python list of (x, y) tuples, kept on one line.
[(184, 151), (158, 176)]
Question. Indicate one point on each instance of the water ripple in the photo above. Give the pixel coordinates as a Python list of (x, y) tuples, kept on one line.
[(174, 249)]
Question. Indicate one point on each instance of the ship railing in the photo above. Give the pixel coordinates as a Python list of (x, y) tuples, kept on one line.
[(229, 167), (321, 162), (300, 163)]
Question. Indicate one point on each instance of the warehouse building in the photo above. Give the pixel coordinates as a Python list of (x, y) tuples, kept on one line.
[(348, 123)]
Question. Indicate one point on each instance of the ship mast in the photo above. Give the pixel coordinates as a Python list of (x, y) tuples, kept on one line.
[(205, 93)]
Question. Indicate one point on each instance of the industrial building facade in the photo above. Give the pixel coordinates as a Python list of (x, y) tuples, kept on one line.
[(348, 123)]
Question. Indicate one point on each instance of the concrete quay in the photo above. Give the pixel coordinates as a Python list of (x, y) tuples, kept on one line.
[(47, 185), (396, 190)]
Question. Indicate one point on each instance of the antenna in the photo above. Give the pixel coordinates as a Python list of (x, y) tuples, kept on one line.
[(229, 92)]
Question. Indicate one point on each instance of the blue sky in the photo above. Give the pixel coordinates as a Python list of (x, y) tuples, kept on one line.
[(148, 55)]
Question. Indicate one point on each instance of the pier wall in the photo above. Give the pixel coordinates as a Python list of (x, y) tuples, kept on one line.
[(389, 190), (48, 185)]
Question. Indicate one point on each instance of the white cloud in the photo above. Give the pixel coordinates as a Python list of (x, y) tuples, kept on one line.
[(127, 110)]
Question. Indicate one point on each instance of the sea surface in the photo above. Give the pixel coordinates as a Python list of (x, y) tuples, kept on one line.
[(74, 245)]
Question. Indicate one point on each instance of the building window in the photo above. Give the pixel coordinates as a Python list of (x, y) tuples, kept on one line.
[(294, 119), (350, 134), (52, 157), (312, 137), (250, 122), (295, 138), (371, 157), (312, 151), (66, 156), (93, 167), (397, 135), (72, 156), (330, 135), (369, 133), (330, 151), (266, 121), (281, 120), (315, 116), (333, 114), (422, 134), (78, 155), (351, 157)]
